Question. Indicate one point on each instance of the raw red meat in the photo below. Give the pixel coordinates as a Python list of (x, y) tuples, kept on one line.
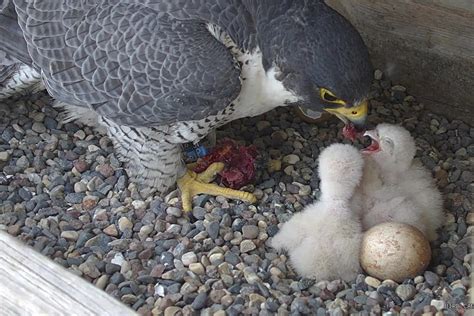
[(349, 131), (239, 163)]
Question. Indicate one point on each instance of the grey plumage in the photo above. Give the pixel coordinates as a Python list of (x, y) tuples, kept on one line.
[(18, 79), (157, 77), (13, 46), (133, 65)]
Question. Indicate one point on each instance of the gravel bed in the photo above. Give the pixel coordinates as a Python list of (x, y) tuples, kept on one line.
[(64, 192)]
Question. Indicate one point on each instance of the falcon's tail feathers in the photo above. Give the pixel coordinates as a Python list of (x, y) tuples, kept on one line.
[(18, 79), (80, 114), (16, 75)]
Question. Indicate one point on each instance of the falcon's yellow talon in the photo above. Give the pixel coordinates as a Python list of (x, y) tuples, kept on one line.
[(191, 165), (192, 184), (211, 172)]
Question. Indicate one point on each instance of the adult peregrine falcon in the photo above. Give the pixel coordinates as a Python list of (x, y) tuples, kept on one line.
[(160, 73)]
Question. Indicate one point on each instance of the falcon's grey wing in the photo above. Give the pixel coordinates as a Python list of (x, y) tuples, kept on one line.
[(235, 17), (13, 47), (130, 63)]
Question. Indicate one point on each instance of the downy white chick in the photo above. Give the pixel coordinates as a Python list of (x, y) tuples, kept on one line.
[(393, 187), (324, 239)]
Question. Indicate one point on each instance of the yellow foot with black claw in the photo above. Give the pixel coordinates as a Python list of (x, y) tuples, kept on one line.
[(192, 184), (208, 175)]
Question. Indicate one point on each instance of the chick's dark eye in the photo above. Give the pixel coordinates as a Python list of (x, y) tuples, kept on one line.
[(329, 97)]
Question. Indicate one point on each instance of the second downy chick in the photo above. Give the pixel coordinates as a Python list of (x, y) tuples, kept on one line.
[(393, 187), (324, 239)]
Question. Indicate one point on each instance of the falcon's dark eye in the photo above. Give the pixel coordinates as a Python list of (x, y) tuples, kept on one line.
[(328, 96)]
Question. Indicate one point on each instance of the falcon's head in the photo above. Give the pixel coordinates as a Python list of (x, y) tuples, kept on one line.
[(321, 58)]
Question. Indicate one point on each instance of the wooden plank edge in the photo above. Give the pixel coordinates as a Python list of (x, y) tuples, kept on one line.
[(31, 284)]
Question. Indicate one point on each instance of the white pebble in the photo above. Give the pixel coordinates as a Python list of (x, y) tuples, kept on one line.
[(247, 246), (124, 224), (378, 74), (80, 134), (197, 268), (4, 155), (92, 148), (419, 279), (70, 235), (373, 282), (216, 258), (138, 204), (438, 304), (145, 231), (291, 159), (159, 290), (118, 259), (188, 258)]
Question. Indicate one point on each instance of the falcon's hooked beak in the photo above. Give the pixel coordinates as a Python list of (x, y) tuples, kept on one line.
[(357, 114)]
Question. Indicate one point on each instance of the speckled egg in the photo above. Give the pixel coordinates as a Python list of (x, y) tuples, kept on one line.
[(394, 251)]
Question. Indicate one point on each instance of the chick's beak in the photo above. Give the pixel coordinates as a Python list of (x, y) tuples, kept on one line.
[(372, 134), (374, 142), (356, 114)]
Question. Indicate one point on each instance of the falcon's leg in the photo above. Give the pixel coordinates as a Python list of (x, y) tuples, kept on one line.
[(152, 161), (212, 138), (155, 161), (192, 183)]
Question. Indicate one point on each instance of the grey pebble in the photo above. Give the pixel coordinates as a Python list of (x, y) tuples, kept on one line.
[(174, 211), (247, 246), (200, 301), (460, 251), (405, 291), (22, 162), (74, 198), (250, 231), (431, 277), (25, 194), (199, 213), (213, 229), (360, 299), (38, 127), (272, 230), (232, 258)]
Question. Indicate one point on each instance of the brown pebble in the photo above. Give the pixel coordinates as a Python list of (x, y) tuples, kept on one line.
[(172, 311), (442, 177), (80, 166), (101, 215), (106, 170), (146, 254), (111, 230), (14, 230), (164, 303), (89, 202), (470, 218), (157, 271), (110, 288), (216, 295), (144, 310), (274, 165), (135, 246), (326, 295)]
